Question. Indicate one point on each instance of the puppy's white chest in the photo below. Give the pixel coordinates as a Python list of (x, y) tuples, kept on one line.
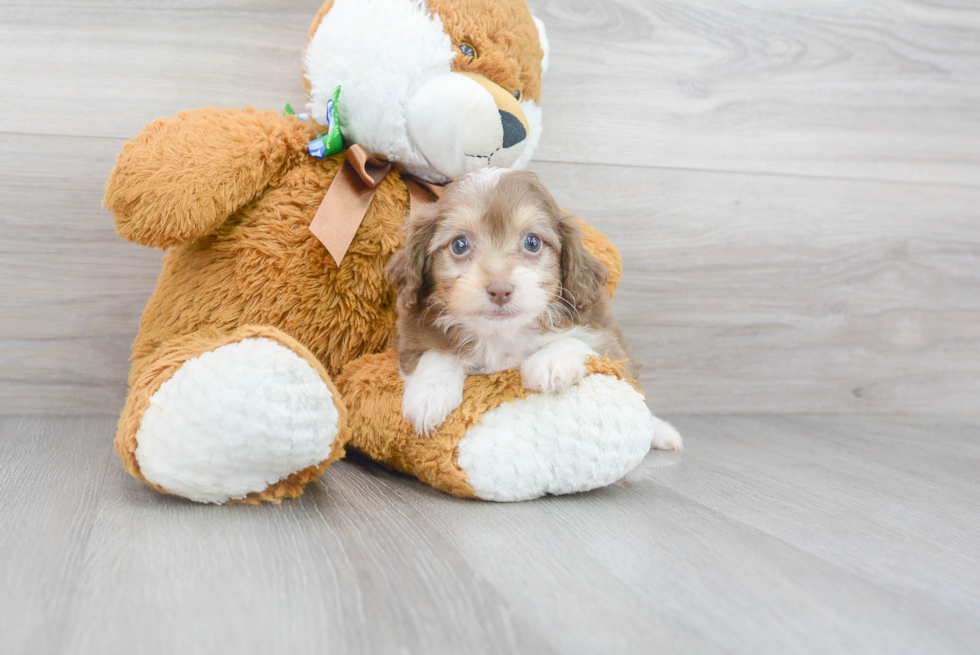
[(500, 352)]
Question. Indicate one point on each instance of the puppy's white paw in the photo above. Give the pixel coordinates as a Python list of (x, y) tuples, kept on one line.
[(428, 405), (549, 371), (665, 435), (432, 392)]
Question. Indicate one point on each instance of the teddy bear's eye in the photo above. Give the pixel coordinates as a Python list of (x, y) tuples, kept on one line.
[(467, 50), (518, 94)]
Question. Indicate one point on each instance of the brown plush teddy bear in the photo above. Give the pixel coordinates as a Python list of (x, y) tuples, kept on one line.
[(262, 351)]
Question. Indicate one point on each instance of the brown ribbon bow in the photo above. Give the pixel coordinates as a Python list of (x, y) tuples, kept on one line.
[(350, 195)]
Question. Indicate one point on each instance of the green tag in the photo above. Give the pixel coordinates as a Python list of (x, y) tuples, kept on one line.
[(288, 111), (333, 141)]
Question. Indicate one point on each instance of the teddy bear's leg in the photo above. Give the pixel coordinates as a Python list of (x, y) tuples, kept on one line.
[(504, 443), (246, 416)]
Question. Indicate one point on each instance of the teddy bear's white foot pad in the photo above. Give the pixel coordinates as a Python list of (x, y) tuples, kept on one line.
[(236, 420), (586, 437)]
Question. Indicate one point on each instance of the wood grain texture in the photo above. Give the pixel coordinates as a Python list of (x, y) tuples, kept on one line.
[(99, 563), (785, 294), (808, 534), (865, 494), (51, 478), (793, 186), (873, 89), (106, 71)]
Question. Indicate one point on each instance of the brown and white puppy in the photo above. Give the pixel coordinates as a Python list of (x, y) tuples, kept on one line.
[(495, 276)]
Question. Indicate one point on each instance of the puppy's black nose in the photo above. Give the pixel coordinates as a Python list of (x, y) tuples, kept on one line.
[(500, 292), (514, 132)]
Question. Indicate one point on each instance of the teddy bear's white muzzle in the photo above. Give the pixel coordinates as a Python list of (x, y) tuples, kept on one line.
[(458, 126)]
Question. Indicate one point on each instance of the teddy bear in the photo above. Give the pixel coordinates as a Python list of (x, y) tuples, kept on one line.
[(263, 351)]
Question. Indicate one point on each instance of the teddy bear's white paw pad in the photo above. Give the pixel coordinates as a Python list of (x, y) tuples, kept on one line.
[(665, 435), (236, 420), (586, 437)]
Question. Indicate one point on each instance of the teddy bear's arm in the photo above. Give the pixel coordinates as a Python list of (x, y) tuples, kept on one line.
[(599, 245), (182, 177)]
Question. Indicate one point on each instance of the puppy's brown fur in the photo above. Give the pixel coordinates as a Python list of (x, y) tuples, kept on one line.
[(442, 304)]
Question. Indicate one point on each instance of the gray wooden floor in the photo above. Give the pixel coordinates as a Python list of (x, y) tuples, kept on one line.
[(768, 535), (795, 188)]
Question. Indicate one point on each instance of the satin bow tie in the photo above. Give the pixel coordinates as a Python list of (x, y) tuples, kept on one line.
[(350, 195)]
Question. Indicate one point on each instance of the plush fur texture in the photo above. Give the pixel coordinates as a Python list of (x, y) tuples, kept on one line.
[(262, 266), (231, 194), (182, 177), (511, 45), (594, 453), (585, 437), (385, 63), (505, 37), (235, 420), (401, 96), (149, 374), (258, 265)]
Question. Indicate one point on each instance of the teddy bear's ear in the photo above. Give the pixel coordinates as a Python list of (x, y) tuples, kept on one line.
[(315, 25), (543, 38)]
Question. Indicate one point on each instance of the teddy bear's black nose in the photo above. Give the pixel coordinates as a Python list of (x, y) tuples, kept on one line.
[(514, 132)]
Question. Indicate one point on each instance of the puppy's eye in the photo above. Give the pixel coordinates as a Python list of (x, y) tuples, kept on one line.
[(532, 243), (459, 246), (518, 94), (468, 51)]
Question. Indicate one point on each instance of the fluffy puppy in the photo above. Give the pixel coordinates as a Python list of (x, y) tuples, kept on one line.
[(494, 276)]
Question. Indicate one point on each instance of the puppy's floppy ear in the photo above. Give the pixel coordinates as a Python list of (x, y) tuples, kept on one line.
[(409, 269), (583, 277)]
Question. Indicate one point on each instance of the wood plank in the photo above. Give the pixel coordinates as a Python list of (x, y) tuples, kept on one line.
[(63, 271), (684, 558), (71, 291), (79, 376), (751, 293), (767, 534), (348, 568), (107, 73), (51, 477), (871, 90), (893, 500), (867, 90)]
